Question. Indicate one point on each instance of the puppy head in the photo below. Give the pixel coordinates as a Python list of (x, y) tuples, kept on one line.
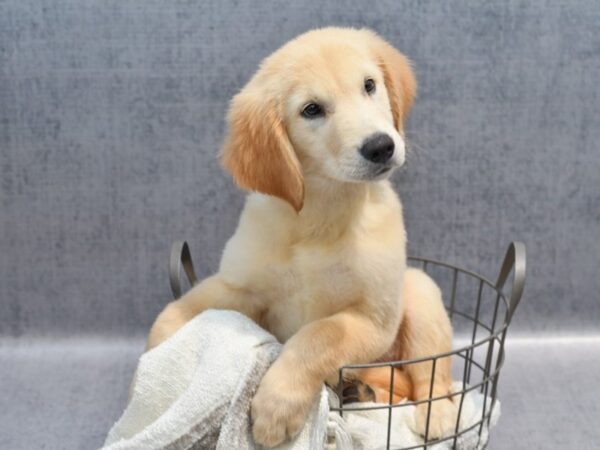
[(330, 103)]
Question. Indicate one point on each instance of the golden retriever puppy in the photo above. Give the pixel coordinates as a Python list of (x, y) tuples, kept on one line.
[(318, 257)]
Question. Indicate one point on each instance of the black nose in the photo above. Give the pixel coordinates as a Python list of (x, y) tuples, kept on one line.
[(378, 148)]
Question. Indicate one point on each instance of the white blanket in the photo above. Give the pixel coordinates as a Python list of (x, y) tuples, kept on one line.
[(368, 428), (194, 391)]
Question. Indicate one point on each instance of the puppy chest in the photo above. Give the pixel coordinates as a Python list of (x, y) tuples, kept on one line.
[(303, 294)]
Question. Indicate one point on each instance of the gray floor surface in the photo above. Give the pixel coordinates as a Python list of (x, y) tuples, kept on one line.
[(65, 394)]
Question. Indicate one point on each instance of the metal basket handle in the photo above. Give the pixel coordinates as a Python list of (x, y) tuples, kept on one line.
[(515, 259), (180, 256)]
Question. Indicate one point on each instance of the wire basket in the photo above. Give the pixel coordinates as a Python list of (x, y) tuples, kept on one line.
[(480, 312)]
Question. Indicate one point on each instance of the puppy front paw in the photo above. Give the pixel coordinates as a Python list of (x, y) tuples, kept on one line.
[(442, 419), (279, 408), (354, 390)]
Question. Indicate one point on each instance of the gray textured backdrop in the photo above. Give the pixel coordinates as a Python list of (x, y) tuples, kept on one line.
[(111, 114)]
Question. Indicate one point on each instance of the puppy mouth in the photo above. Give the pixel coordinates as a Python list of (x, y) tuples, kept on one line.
[(383, 170), (380, 173), (366, 172)]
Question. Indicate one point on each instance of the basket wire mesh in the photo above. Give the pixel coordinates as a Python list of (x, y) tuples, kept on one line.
[(483, 325)]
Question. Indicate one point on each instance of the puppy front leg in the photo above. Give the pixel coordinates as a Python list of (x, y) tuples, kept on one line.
[(212, 292), (311, 356), (426, 331)]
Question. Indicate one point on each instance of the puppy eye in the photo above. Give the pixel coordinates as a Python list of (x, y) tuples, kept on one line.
[(369, 86), (313, 110)]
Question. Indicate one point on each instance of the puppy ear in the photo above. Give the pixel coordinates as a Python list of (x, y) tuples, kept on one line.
[(399, 79), (257, 151)]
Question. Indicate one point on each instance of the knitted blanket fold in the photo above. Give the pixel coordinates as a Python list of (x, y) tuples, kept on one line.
[(194, 390)]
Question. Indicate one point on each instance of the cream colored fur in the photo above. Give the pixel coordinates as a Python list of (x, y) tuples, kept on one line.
[(318, 257)]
